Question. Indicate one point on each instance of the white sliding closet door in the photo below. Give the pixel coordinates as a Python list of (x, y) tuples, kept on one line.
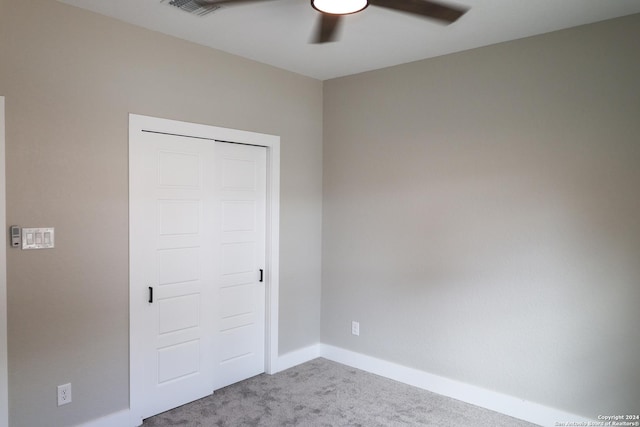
[(172, 268), (197, 260), (241, 194)]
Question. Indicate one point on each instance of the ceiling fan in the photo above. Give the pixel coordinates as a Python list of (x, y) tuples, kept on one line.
[(332, 11)]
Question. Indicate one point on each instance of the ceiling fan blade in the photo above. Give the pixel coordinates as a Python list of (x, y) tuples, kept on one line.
[(206, 3), (426, 8), (326, 28)]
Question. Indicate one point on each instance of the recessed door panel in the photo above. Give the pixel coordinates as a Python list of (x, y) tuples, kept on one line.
[(179, 169), (238, 258), (178, 361), (237, 300), (178, 265), (178, 313), (239, 215), (179, 217), (238, 174), (236, 344)]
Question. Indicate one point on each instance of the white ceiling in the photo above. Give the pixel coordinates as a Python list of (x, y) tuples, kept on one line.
[(277, 32)]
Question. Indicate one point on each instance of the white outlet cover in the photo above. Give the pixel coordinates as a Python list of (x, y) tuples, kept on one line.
[(64, 394)]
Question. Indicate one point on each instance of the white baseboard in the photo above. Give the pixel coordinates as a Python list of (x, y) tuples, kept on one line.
[(504, 404), (116, 419), (508, 405), (286, 361), (297, 357)]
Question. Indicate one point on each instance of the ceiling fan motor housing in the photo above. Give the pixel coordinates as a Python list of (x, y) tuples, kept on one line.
[(339, 7)]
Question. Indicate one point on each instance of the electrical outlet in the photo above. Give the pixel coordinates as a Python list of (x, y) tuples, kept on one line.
[(64, 394), (355, 328)]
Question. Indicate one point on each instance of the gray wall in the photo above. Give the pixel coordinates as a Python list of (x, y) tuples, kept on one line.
[(70, 79), (480, 209), (481, 217)]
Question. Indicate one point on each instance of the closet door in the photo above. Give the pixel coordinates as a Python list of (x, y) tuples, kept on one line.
[(197, 254), (240, 197), (172, 270)]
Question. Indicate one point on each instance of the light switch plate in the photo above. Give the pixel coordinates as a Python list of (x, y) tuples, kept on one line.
[(38, 238)]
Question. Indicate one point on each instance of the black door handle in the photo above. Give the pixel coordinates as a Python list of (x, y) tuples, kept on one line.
[(150, 295), (261, 275)]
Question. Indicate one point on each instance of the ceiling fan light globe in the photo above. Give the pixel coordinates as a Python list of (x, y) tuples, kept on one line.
[(339, 7)]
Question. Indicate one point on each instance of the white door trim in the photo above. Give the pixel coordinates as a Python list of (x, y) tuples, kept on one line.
[(4, 380), (138, 123)]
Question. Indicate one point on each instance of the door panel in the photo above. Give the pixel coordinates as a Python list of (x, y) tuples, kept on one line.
[(197, 237), (178, 313), (240, 199), (171, 251), (178, 361)]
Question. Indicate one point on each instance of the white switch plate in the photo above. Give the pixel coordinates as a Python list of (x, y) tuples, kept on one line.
[(38, 238)]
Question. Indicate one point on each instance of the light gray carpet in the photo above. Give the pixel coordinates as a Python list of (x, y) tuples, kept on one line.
[(324, 393)]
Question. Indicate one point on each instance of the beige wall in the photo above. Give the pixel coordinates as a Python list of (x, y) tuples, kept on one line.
[(480, 209), (70, 79), (481, 217)]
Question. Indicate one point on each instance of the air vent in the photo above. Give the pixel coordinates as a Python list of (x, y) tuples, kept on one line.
[(195, 7)]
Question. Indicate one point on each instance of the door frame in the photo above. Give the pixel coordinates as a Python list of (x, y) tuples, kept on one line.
[(139, 123), (4, 380)]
